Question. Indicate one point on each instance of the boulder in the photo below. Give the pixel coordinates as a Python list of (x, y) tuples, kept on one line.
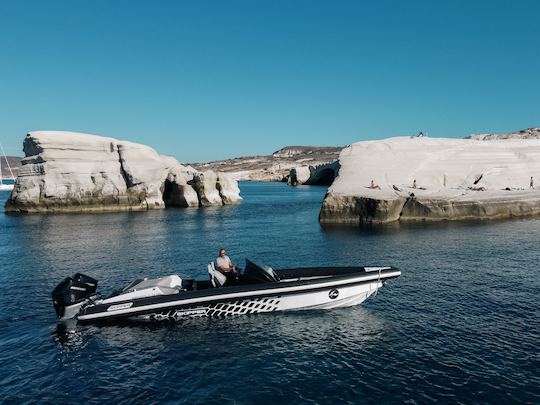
[(177, 191), (228, 189), (205, 185), (69, 172), (299, 175)]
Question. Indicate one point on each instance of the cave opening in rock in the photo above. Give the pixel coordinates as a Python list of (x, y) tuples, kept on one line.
[(168, 188), (326, 177)]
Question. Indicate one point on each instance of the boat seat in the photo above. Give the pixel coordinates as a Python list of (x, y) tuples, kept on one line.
[(217, 278)]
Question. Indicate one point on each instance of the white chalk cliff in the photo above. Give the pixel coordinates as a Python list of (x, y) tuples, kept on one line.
[(321, 174), (455, 179), (69, 172)]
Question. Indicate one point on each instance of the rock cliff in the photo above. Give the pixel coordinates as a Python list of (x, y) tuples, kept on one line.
[(70, 172), (419, 178), (319, 175)]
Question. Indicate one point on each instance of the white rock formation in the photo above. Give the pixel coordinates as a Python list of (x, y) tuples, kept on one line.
[(455, 179), (322, 174), (228, 189), (205, 186), (177, 192), (299, 175), (69, 171)]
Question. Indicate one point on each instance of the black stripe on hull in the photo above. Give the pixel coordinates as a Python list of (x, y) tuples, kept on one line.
[(220, 309)]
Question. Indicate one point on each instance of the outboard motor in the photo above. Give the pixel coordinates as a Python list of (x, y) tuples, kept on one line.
[(70, 294)]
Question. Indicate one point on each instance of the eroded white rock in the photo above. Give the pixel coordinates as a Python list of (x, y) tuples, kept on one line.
[(322, 174), (205, 185), (228, 189), (433, 179), (69, 171), (177, 192)]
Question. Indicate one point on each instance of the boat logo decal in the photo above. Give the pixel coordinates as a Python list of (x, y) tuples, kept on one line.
[(333, 294), (190, 312), (120, 306)]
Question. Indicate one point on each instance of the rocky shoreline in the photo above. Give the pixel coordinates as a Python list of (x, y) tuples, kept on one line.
[(360, 210), (397, 179), (434, 179), (74, 172)]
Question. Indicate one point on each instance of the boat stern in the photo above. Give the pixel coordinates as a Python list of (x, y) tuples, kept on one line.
[(71, 294)]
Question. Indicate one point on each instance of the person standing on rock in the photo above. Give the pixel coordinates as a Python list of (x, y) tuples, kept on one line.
[(531, 184)]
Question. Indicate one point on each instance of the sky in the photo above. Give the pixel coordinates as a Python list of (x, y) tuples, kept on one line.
[(207, 80)]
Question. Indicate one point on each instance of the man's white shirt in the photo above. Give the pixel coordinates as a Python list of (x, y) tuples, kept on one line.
[(223, 262)]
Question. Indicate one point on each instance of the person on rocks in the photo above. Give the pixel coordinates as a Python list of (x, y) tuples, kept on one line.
[(225, 266), (373, 185), (414, 183), (531, 184)]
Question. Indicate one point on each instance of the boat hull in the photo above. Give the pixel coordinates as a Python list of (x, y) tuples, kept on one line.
[(320, 294), (346, 297), (6, 187)]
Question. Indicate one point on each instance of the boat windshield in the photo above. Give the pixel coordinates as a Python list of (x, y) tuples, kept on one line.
[(260, 273)]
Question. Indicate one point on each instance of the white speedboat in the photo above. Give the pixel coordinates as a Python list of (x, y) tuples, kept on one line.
[(257, 289), (5, 186)]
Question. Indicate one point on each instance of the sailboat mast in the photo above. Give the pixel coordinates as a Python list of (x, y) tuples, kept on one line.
[(7, 162)]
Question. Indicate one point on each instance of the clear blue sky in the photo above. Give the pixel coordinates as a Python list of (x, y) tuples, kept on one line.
[(204, 80)]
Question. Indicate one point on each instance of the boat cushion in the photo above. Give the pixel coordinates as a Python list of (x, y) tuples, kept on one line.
[(217, 278)]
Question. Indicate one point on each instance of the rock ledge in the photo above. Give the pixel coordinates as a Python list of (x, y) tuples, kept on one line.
[(432, 179)]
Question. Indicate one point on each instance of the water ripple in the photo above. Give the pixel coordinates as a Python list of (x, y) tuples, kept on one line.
[(461, 325)]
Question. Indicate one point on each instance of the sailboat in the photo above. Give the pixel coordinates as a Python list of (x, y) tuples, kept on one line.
[(5, 186)]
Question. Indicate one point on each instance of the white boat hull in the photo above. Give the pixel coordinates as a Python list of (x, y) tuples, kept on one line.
[(173, 298), (346, 297), (6, 187)]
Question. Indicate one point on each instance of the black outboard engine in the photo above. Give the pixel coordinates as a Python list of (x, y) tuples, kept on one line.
[(72, 290)]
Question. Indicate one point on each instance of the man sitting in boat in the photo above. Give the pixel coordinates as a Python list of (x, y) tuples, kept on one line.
[(225, 266)]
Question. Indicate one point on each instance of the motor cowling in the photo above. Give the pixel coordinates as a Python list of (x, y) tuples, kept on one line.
[(72, 290)]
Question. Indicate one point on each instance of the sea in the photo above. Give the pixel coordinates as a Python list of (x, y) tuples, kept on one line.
[(461, 325)]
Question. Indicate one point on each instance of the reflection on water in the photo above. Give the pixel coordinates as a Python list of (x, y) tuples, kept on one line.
[(460, 325), (272, 327)]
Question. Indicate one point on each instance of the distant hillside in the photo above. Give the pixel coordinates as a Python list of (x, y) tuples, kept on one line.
[(14, 162), (273, 167), (317, 152)]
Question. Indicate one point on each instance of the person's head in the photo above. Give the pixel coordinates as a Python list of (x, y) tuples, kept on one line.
[(221, 252)]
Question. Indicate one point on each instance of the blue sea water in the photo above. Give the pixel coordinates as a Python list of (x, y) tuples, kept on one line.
[(461, 325)]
